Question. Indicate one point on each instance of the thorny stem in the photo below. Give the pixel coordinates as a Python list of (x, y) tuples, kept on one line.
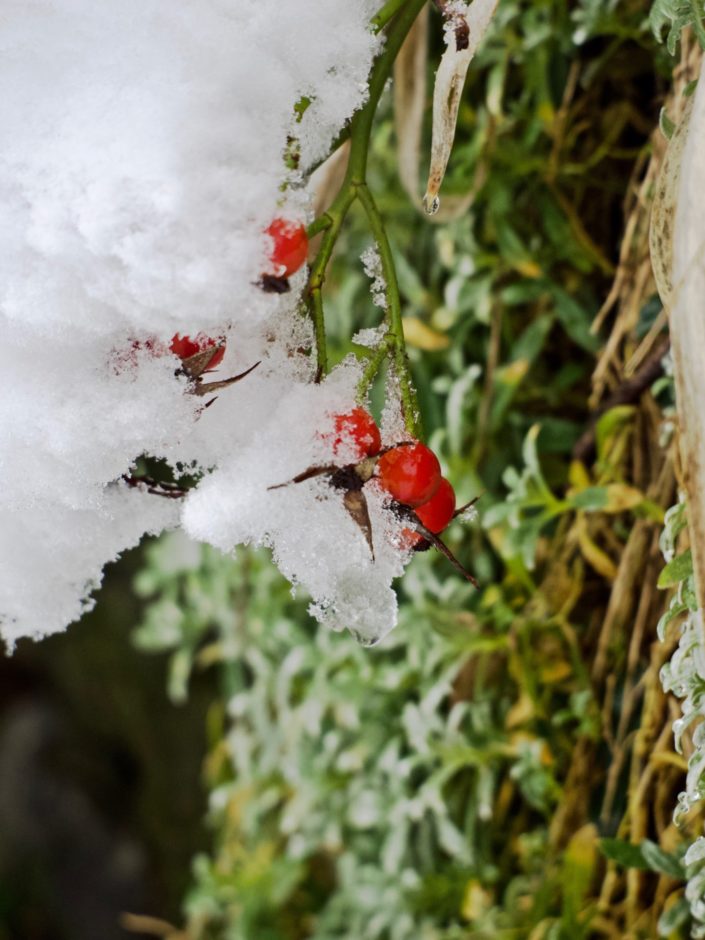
[(401, 14)]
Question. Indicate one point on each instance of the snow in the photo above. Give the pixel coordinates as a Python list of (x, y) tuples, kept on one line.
[(372, 264), (141, 161)]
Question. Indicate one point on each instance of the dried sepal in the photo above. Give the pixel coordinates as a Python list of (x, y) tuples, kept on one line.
[(194, 366), (412, 520), (207, 388), (271, 284), (356, 506), (462, 510), (309, 474)]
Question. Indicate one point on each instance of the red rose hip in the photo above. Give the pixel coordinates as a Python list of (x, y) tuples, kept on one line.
[(410, 473), (290, 248), (358, 428), (184, 347), (438, 511)]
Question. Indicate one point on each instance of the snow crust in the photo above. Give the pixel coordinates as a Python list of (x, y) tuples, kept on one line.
[(141, 160)]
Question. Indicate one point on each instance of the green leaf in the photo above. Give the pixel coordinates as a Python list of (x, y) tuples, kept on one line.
[(658, 860), (591, 499), (646, 856), (673, 15), (676, 916), (666, 124), (575, 320), (609, 425), (624, 853), (677, 570)]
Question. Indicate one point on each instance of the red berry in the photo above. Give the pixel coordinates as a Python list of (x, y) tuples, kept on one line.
[(290, 248), (184, 347), (358, 428), (410, 473), (438, 511)]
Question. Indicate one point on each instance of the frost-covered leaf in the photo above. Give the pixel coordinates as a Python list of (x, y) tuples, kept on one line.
[(680, 568)]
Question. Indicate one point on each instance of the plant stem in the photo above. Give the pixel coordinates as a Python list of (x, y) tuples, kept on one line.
[(401, 14), (395, 331), (335, 216), (378, 356), (388, 11), (361, 124)]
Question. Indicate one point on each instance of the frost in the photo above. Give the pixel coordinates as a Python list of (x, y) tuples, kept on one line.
[(141, 162), (372, 264), (684, 676), (371, 337), (468, 514)]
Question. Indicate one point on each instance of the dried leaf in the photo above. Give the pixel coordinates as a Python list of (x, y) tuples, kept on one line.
[(410, 102), (464, 36), (593, 555), (419, 335), (663, 211)]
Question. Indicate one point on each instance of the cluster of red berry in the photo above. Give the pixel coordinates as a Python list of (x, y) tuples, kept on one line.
[(409, 472)]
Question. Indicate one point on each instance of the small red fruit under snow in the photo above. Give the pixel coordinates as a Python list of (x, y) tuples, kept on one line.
[(290, 248), (358, 429), (184, 347), (410, 473)]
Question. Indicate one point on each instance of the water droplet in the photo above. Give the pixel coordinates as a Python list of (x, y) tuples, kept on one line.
[(365, 641), (431, 204)]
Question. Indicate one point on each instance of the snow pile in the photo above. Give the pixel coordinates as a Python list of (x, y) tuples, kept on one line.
[(141, 160)]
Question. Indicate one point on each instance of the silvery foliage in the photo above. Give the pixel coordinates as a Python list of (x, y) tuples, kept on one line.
[(361, 755), (684, 676)]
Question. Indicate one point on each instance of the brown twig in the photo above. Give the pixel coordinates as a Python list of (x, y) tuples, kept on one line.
[(628, 392), (155, 487)]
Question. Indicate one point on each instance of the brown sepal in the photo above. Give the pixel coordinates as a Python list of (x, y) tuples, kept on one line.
[(194, 366), (271, 284), (308, 474), (409, 516), (356, 505), (461, 509), (446, 552), (206, 388)]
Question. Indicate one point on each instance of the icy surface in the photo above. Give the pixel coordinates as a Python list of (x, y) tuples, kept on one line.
[(141, 161)]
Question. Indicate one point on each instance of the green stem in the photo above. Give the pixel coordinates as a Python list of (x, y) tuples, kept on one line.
[(373, 366), (383, 16), (361, 124), (333, 222), (401, 14), (319, 225), (395, 332)]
